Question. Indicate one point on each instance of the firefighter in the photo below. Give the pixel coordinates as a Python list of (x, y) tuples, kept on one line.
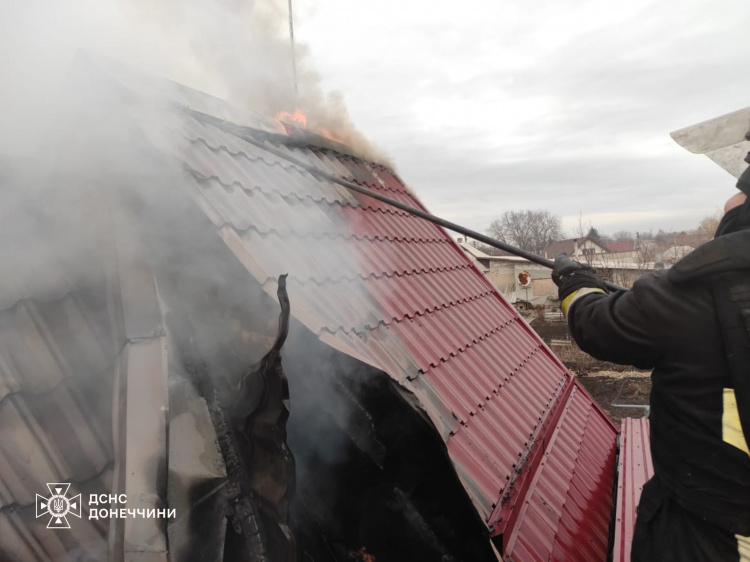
[(691, 325)]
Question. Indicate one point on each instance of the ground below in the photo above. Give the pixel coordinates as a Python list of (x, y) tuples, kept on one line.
[(611, 385), (612, 389)]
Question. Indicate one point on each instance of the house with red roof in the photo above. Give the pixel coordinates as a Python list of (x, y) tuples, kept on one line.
[(517, 279), (574, 247), (620, 246)]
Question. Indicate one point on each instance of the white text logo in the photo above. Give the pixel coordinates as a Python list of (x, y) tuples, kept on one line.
[(58, 506)]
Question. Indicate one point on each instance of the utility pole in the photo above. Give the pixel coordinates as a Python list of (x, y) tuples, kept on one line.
[(294, 62)]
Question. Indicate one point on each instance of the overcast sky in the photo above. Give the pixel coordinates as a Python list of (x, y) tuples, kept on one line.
[(565, 105), (484, 106)]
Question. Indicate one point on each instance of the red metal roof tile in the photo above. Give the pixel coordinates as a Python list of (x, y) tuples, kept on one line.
[(634, 469), (360, 173), (566, 512)]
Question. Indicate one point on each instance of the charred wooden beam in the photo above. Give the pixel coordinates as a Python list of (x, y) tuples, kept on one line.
[(259, 427), (250, 426)]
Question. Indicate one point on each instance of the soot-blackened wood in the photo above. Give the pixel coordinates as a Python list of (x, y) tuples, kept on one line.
[(259, 425), (245, 539)]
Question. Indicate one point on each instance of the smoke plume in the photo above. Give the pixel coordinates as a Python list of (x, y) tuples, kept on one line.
[(95, 190), (238, 50)]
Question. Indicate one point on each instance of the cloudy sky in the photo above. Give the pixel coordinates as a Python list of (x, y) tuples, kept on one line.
[(484, 106), (566, 105)]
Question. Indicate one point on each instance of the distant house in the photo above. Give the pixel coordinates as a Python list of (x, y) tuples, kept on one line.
[(574, 247), (620, 262), (674, 254), (518, 279), (480, 258), (622, 246)]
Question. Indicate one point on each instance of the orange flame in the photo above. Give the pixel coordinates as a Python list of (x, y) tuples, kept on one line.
[(361, 555), (297, 118)]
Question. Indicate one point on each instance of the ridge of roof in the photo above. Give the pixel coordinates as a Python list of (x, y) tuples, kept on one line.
[(296, 137), (263, 136)]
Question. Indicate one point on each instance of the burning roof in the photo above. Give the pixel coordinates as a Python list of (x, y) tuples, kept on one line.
[(392, 293)]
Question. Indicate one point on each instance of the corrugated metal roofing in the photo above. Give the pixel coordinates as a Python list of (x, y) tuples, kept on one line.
[(397, 292), (55, 420), (565, 515), (634, 470)]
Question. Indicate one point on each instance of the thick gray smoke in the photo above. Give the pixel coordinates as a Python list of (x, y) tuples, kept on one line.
[(93, 189), (238, 50)]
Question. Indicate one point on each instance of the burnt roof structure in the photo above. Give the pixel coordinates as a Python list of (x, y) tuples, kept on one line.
[(382, 292)]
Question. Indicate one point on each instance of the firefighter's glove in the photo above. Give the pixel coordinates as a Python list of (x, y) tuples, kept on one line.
[(571, 276)]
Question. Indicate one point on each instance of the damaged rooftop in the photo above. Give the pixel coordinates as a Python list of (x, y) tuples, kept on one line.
[(285, 369)]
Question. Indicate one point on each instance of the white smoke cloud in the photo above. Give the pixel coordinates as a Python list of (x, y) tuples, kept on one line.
[(238, 50)]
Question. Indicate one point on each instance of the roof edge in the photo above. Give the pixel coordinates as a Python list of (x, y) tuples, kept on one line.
[(297, 138)]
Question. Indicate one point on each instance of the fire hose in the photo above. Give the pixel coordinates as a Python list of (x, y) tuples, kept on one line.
[(317, 172), (532, 257)]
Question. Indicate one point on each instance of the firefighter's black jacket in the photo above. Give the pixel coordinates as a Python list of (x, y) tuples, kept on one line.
[(669, 322)]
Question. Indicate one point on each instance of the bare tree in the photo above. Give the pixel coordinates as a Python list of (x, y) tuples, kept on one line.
[(623, 268), (645, 248), (707, 228), (622, 236), (643, 235), (580, 230), (530, 230)]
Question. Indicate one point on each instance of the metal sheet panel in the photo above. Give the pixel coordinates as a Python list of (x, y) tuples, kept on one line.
[(141, 447), (195, 466), (566, 513), (55, 420), (634, 469)]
